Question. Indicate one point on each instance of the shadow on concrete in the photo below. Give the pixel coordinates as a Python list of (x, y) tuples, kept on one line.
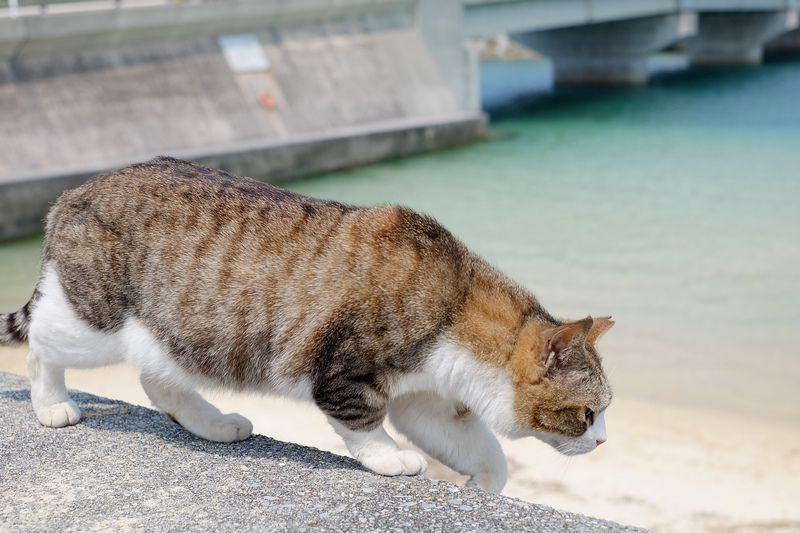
[(104, 414)]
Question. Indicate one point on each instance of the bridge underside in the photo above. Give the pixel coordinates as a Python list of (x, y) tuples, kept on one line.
[(608, 42), (737, 38), (786, 43), (610, 52)]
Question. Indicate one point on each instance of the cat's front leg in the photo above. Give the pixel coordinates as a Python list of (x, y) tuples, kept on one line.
[(376, 450), (452, 434)]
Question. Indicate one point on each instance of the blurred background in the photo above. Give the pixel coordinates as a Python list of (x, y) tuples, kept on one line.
[(635, 159)]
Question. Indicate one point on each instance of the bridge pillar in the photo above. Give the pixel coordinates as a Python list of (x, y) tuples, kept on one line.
[(441, 24), (608, 53), (737, 37)]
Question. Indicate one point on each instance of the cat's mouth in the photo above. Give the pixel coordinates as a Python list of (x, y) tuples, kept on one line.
[(576, 447), (590, 440)]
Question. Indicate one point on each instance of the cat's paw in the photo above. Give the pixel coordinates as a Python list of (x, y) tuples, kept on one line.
[(230, 428), (400, 463), (489, 479), (59, 415)]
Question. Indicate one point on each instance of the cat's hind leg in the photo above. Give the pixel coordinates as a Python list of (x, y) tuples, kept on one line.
[(60, 339), (450, 433), (376, 450), (51, 403), (194, 413)]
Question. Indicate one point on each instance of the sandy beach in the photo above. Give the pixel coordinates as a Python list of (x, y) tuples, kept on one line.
[(670, 469)]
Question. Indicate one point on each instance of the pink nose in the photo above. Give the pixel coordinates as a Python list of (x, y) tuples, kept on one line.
[(600, 441)]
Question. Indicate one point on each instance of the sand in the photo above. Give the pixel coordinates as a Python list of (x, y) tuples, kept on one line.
[(666, 468)]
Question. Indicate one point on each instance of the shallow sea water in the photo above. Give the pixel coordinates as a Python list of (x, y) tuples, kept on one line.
[(675, 208)]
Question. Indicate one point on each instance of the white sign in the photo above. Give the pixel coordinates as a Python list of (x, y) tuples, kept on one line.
[(244, 53)]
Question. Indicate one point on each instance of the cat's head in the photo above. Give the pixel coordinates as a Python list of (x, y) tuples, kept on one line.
[(560, 389)]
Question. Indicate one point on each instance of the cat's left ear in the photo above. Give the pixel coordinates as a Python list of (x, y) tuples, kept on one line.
[(599, 326)]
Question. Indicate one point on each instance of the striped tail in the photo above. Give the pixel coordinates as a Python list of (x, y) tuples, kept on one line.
[(14, 326)]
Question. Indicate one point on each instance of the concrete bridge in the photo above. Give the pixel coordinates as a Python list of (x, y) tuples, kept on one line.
[(276, 89), (608, 41), (589, 41)]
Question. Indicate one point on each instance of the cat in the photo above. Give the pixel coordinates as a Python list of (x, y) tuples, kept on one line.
[(204, 279)]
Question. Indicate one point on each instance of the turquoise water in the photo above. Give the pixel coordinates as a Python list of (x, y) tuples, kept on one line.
[(675, 208)]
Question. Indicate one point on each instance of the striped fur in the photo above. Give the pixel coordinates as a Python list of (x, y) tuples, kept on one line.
[(203, 278), (14, 326)]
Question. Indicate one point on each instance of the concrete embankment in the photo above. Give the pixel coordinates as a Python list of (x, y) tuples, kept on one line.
[(334, 84), (128, 468)]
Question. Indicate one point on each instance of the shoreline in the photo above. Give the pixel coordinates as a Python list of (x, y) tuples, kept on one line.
[(666, 467)]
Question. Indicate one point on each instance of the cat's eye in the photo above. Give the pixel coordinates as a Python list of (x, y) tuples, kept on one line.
[(589, 414)]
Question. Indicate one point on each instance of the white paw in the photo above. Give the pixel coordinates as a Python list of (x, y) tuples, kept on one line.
[(400, 463), (489, 479), (59, 415), (231, 428)]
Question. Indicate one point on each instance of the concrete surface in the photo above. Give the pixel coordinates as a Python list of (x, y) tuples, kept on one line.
[(128, 468)]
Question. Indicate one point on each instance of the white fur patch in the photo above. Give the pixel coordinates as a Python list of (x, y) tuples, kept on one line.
[(459, 440), (59, 337), (453, 373), (377, 451)]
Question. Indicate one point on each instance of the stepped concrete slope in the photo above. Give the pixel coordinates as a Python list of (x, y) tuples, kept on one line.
[(128, 468), (317, 86)]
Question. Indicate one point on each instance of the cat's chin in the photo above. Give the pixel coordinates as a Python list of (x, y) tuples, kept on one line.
[(576, 446)]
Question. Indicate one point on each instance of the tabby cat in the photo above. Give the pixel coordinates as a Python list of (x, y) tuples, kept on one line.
[(204, 279)]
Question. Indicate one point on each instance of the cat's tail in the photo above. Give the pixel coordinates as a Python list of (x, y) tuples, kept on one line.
[(14, 326)]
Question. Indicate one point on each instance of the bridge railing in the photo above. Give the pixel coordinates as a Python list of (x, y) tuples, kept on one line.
[(11, 4), (17, 8)]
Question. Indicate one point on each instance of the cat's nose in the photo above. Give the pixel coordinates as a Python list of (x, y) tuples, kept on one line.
[(600, 441)]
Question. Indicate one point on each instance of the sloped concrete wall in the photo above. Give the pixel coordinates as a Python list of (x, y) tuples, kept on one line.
[(356, 82), (87, 106), (128, 468)]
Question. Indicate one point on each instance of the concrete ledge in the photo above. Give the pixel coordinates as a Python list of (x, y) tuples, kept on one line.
[(73, 26), (125, 467), (24, 200)]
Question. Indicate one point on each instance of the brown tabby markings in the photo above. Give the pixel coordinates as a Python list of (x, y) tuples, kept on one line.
[(228, 272), (250, 285), (493, 327), (15, 328)]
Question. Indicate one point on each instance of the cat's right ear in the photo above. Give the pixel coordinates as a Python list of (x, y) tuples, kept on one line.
[(560, 338)]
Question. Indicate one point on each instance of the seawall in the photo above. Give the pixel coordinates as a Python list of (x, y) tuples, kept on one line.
[(339, 84)]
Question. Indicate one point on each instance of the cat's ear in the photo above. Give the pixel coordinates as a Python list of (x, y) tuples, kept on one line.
[(562, 338), (599, 326)]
